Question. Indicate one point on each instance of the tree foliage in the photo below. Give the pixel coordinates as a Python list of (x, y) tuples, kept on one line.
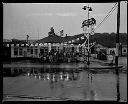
[(109, 40)]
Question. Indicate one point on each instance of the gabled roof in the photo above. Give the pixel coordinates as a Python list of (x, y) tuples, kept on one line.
[(59, 39), (69, 38), (32, 40), (50, 39)]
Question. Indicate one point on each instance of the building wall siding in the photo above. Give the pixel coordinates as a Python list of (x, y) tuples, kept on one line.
[(24, 49), (124, 52), (67, 49)]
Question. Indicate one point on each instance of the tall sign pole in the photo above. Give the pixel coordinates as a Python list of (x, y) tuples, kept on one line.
[(117, 35), (86, 23)]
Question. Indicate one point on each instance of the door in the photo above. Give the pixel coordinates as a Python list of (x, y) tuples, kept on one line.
[(25, 54)]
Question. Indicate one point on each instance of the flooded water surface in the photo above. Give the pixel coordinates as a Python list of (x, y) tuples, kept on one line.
[(63, 83)]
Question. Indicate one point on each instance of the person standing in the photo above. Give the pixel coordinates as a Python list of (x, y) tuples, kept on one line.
[(64, 54)]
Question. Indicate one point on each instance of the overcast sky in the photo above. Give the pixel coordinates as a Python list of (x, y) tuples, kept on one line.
[(20, 19)]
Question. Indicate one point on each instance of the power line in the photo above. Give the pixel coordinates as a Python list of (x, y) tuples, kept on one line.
[(113, 8), (106, 16), (105, 19)]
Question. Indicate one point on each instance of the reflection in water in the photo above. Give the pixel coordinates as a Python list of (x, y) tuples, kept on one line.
[(54, 76), (90, 92), (118, 86), (20, 71)]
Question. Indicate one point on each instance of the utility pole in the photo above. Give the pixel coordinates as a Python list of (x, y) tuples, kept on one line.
[(88, 37), (117, 50), (117, 35)]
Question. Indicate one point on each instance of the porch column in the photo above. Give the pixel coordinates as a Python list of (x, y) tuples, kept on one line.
[(49, 47), (77, 48), (56, 47), (38, 51)]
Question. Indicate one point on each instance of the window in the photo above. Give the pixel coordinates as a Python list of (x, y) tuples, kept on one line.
[(72, 49), (46, 50), (28, 49), (52, 50), (36, 51), (31, 50), (124, 50), (20, 51), (42, 51), (64, 48), (16, 51)]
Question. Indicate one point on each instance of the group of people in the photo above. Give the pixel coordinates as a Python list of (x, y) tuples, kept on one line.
[(60, 56)]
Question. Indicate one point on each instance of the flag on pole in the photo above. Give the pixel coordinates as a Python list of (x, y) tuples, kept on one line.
[(82, 37), (62, 33), (72, 41), (36, 44), (78, 39), (69, 41), (7, 45), (17, 45), (22, 44), (32, 45), (12, 45)]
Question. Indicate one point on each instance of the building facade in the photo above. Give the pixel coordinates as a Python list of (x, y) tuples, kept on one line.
[(124, 50)]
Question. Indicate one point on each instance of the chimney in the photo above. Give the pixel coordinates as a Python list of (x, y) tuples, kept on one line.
[(66, 35), (27, 38)]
